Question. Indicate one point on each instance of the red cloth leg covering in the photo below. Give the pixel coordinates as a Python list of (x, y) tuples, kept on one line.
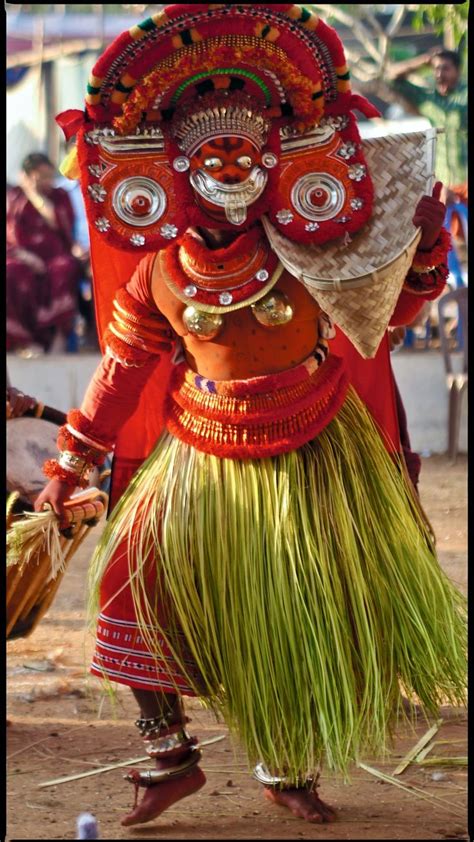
[(122, 654)]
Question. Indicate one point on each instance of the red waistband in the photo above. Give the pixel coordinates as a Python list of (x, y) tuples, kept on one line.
[(259, 417)]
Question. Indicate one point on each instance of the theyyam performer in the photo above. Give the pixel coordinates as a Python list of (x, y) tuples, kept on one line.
[(265, 550)]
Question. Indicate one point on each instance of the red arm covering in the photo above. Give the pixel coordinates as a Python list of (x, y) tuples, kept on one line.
[(123, 402), (409, 305), (373, 378), (425, 280), (113, 396)]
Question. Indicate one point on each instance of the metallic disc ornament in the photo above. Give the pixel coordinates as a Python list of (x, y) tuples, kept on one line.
[(139, 201), (181, 163), (273, 310), (318, 196), (269, 160), (204, 326)]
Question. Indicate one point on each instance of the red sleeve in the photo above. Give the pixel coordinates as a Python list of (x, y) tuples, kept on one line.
[(139, 285), (135, 344), (409, 304), (407, 308), (112, 397)]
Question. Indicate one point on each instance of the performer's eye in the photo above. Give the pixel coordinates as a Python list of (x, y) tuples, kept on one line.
[(244, 162), (213, 163)]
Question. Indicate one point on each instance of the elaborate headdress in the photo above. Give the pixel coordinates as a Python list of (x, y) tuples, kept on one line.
[(283, 59), (275, 73)]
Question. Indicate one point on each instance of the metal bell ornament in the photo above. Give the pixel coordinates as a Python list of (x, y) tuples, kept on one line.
[(273, 310), (202, 325)]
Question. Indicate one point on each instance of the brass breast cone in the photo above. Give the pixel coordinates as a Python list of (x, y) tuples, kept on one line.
[(273, 310), (203, 325)]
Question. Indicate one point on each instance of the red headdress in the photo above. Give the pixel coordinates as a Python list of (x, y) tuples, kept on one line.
[(285, 60)]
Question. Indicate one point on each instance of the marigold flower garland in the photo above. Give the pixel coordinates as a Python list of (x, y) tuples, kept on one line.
[(299, 88)]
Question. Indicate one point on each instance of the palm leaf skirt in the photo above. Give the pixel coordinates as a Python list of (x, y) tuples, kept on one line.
[(306, 586)]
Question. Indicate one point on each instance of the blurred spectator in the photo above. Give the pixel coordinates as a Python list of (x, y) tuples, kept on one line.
[(85, 325), (444, 104), (43, 262)]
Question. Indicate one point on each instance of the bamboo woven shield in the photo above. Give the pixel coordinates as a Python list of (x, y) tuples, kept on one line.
[(357, 281)]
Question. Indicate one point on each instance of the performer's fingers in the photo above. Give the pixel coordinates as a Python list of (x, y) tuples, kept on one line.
[(424, 219), (430, 204), (437, 190)]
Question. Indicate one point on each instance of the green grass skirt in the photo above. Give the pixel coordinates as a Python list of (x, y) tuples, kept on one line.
[(307, 588)]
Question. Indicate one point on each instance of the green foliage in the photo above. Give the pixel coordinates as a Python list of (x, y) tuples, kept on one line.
[(442, 15)]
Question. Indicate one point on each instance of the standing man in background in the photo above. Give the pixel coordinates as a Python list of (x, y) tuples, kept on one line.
[(444, 104)]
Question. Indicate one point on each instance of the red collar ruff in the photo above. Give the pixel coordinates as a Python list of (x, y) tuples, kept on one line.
[(220, 280)]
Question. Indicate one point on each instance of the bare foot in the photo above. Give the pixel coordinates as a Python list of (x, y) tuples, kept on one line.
[(159, 797), (303, 804)]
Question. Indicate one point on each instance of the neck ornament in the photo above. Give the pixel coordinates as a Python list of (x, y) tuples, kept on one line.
[(221, 280)]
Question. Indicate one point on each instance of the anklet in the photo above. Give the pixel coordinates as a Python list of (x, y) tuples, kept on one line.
[(151, 777), (152, 727), (170, 743), (262, 775)]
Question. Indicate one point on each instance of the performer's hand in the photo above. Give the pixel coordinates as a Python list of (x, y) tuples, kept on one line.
[(429, 216), (18, 403), (56, 493)]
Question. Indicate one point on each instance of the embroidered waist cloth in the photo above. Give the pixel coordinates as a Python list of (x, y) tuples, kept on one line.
[(260, 417)]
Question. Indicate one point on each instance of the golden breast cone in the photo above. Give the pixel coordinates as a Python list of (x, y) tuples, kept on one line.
[(273, 310), (203, 325)]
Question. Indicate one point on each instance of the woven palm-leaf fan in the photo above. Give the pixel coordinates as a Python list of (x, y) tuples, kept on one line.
[(357, 280)]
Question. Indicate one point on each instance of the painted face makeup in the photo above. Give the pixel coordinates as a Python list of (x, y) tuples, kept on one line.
[(226, 176)]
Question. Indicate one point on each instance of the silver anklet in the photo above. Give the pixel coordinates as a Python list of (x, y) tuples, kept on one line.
[(150, 777), (262, 775), (165, 745), (147, 727)]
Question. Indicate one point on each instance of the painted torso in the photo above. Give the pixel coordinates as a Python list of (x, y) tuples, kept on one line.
[(244, 348)]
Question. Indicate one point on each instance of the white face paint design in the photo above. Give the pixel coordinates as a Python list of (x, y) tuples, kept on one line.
[(234, 198)]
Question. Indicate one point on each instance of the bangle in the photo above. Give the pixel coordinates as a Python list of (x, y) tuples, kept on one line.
[(427, 260), (69, 441), (420, 270), (79, 426), (71, 462), (430, 282), (53, 470)]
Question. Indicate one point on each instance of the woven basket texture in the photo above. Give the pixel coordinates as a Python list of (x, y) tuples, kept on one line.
[(357, 280)]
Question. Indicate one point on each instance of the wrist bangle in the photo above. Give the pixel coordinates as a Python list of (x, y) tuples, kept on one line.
[(428, 282), (72, 462), (420, 270), (53, 470)]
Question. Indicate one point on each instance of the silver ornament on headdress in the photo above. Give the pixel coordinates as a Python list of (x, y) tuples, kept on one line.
[(191, 127)]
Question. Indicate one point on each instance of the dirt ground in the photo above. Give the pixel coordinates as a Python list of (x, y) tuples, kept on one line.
[(62, 725)]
